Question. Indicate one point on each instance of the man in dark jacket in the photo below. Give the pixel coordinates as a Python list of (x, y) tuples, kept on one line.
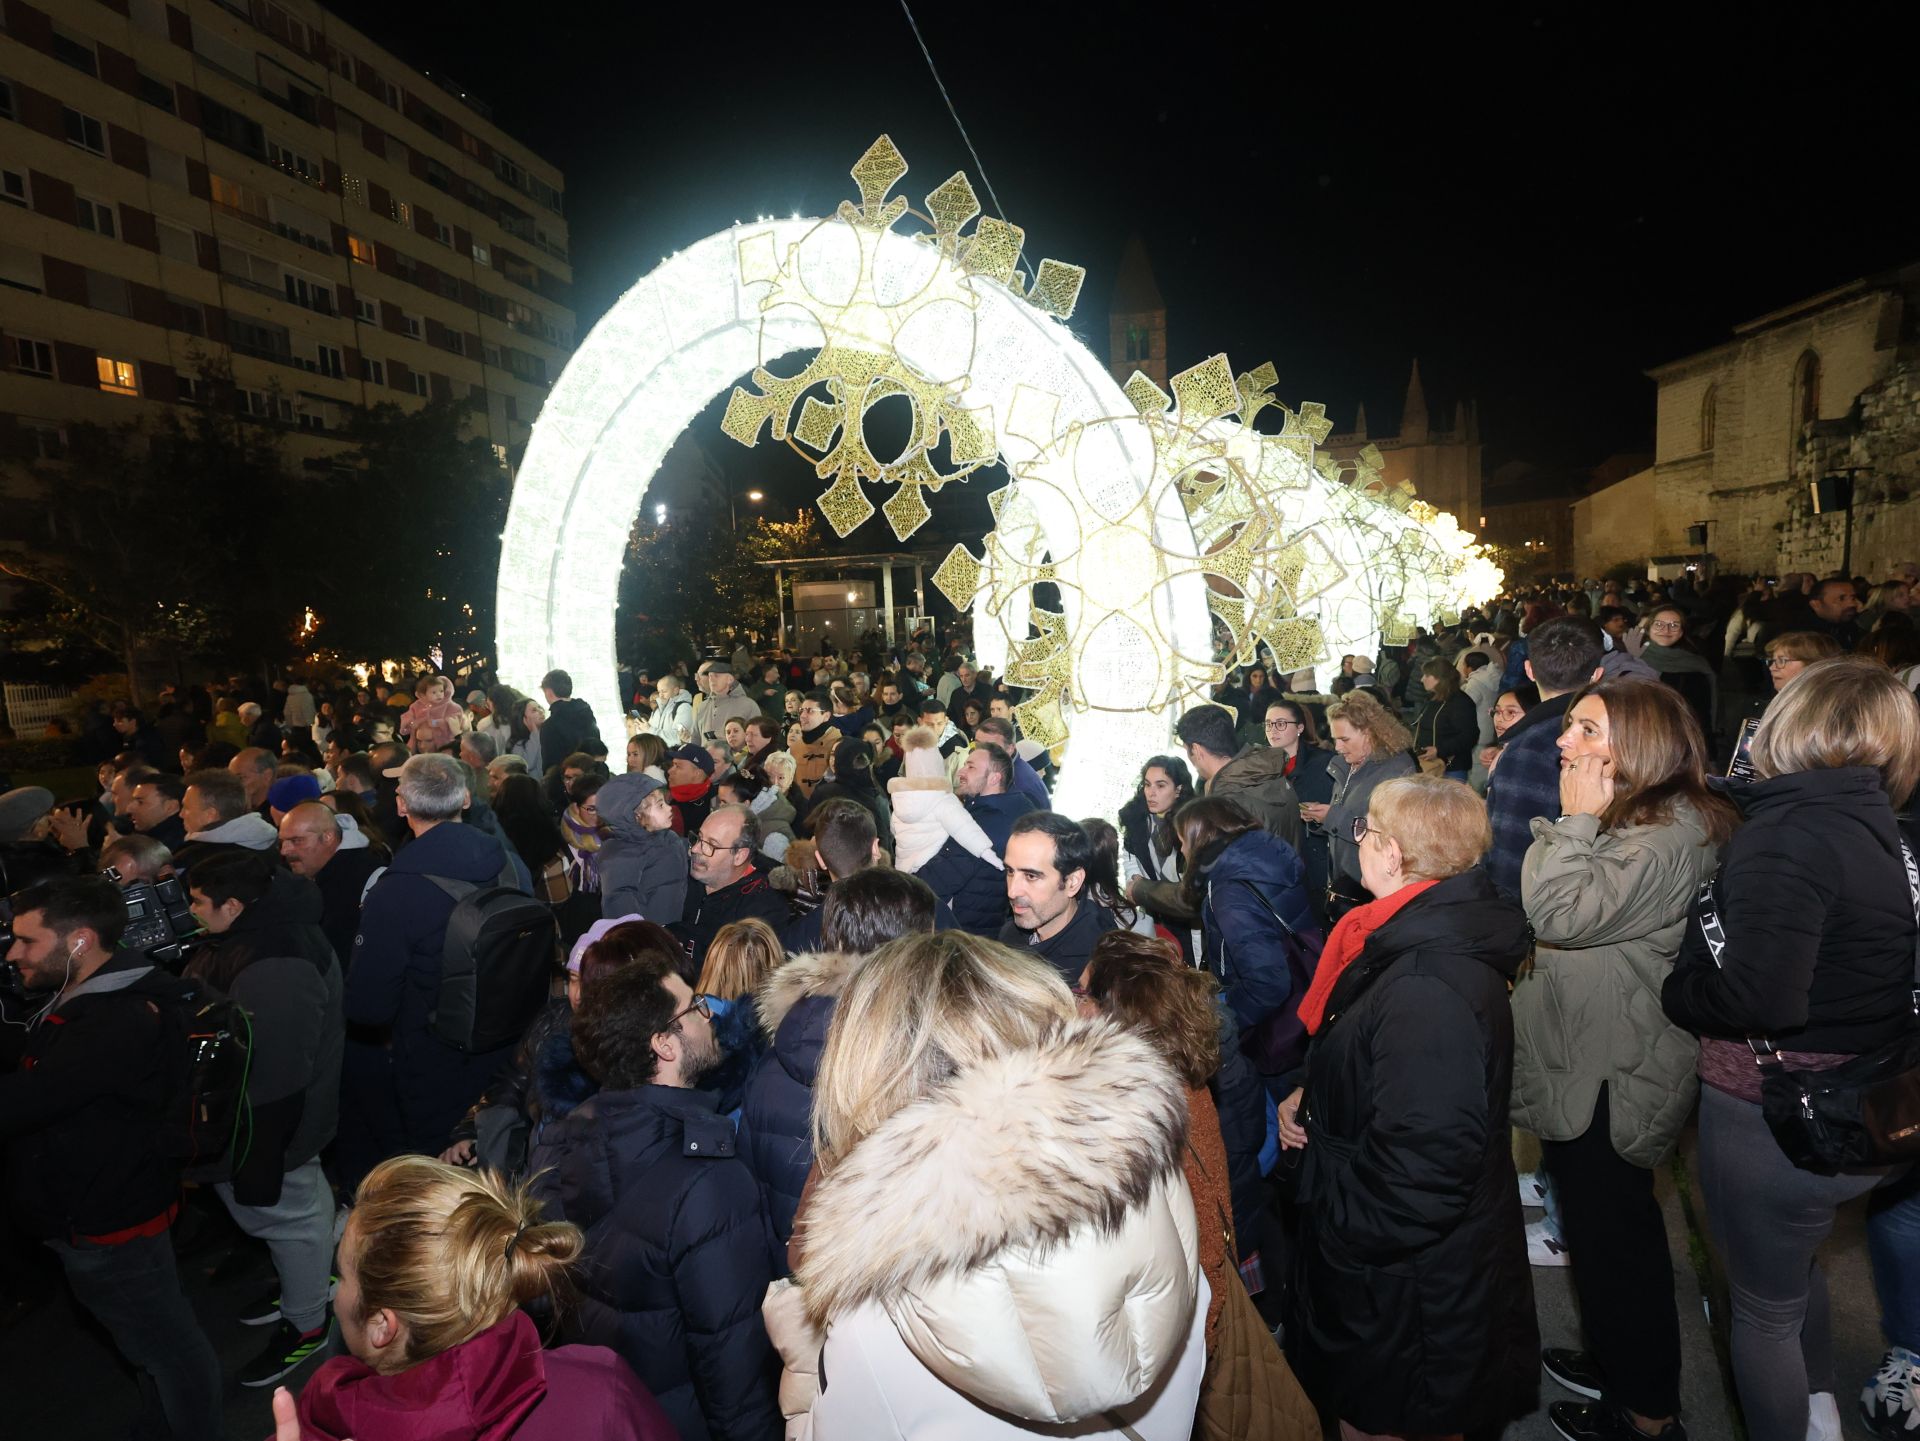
[(726, 884), (677, 1240), (861, 912), (569, 724), (330, 851), (154, 808), (1053, 917), (846, 841), (1255, 777), (269, 955), (85, 1078), (404, 1087), (975, 891), (1565, 653), (1026, 780)]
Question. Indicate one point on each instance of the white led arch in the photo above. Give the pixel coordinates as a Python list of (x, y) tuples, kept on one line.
[(687, 332)]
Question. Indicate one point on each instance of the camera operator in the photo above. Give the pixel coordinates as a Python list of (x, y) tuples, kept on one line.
[(136, 858), (268, 953), (84, 1080)]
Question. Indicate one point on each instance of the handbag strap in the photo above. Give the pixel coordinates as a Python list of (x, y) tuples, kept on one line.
[(1715, 936)]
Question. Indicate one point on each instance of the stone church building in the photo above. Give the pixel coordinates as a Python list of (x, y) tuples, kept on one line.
[(1824, 389)]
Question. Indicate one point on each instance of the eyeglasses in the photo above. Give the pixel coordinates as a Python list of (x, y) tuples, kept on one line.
[(1666, 625), (1781, 662), (1361, 830), (699, 1004), (1283, 725), (713, 848)]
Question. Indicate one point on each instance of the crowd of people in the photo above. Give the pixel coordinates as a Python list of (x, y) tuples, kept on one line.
[(774, 1059)]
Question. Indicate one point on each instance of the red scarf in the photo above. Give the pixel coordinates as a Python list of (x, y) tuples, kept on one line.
[(1350, 936)]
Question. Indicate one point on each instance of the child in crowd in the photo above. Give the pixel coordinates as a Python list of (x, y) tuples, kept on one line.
[(433, 720), (643, 864), (926, 812)]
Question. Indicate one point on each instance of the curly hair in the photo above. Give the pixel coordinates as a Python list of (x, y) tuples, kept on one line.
[(1373, 720), (1142, 983)]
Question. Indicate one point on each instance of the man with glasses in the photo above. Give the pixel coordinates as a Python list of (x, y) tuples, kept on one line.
[(726, 885), (677, 1258), (814, 753)]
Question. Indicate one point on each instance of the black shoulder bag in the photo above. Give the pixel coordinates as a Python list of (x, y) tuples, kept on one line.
[(1863, 1113)]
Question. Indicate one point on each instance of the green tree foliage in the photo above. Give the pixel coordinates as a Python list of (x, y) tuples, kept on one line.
[(692, 579), (420, 505)]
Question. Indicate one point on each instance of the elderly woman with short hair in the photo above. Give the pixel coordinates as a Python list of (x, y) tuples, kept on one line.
[(1415, 1301)]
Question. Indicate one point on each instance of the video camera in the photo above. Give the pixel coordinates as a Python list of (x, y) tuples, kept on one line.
[(160, 922)]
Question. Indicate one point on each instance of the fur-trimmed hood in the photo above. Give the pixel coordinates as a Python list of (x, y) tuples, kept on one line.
[(1027, 1230), (818, 973)]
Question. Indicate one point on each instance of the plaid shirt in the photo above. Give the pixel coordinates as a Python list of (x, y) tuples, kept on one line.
[(1526, 784)]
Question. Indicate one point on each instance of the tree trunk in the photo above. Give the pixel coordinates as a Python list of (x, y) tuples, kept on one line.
[(131, 654)]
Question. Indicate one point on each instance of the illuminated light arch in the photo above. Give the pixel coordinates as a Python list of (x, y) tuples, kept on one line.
[(687, 332)]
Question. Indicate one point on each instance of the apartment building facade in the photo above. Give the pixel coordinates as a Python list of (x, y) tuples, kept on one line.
[(260, 184)]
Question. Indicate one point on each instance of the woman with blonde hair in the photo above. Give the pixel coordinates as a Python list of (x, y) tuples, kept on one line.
[(741, 957), (1000, 1241), (1599, 1074), (1804, 946), (1415, 1303), (1370, 746), (435, 1266)]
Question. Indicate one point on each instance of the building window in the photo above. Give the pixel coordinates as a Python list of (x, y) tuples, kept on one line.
[(45, 440), (1806, 393), (83, 130), (312, 294), (443, 233), (411, 325), (389, 92), (354, 187), (365, 310), (293, 162), (177, 242), (7, 111), (401, 213), (1707, 406), (20, 269), (482, 255), (156, 92), (118, 377), (374, 372), (94, 215), (490, 355), (419, 380), (72, 50), (13, 188), (343, 64), (32, 357), (330, 362), (360, 250), (193, 390)]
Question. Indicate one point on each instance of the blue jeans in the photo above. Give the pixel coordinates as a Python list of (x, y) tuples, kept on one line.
[(133, 1291), (1893, 1245)]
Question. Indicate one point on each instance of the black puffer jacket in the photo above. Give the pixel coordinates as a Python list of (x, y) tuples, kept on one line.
[(1415, 1300), (677, 1253), (1812, 894)]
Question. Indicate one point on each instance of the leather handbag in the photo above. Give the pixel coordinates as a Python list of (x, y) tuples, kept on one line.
[(1860, 1114)]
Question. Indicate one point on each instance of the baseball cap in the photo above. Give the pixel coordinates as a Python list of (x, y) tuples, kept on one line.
[(695, 754)]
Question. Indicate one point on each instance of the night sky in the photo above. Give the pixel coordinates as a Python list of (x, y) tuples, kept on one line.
[(1538, 206)]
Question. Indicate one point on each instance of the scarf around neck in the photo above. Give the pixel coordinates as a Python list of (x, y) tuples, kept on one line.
[(1673, 658), (1349, 937)]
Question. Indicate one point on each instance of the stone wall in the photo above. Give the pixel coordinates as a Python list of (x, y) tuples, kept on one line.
[(1880, 444)]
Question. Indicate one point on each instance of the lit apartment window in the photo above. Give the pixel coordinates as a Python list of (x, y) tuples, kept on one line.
[(293, 162), (32, 357), (374, 371), (84, 131), (482, 255), (402, 213), (360, 250), (118, 377), (354, 187), (94, 215), (13, 188)]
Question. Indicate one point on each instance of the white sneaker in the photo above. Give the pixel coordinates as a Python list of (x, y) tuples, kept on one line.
[(1823, 1417), (1543, 1247), (1533, 1190), (1887, 1402)]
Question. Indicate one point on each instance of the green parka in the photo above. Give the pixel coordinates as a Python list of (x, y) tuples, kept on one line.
[(1609, 910)]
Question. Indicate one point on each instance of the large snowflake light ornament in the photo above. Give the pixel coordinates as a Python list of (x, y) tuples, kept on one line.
[(889, 326)]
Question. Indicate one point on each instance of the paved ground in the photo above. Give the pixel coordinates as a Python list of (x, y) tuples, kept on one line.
[(65, 1381)]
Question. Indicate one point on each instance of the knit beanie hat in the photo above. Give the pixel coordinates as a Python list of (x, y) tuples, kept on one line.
[(923, 760)]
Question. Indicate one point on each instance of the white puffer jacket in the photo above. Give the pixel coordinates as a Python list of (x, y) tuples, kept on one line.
[(1014, 1255)]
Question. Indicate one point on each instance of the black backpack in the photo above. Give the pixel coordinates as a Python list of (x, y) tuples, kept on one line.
[(496, 966), (210, 1052)]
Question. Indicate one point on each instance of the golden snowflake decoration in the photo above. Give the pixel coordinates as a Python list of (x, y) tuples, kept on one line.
[(821, 412)]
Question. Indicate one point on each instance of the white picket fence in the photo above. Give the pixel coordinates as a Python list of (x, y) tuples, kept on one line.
[(30, 707)]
